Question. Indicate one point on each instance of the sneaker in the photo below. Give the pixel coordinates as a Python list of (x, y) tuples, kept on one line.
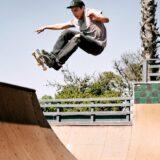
[(56, 66), (51, 63), (47, 60), (45, 52), (46, 57)]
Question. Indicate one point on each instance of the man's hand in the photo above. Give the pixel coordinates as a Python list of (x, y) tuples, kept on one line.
[(98, 18), (93, 17), (41, 29)]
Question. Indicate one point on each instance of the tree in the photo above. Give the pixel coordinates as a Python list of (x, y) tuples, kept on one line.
[(149, 29), (106, 84), (47, 97), (150, 34), (129, 68)]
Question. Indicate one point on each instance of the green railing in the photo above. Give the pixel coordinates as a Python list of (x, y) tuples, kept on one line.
[(88, 111), (151, 70)]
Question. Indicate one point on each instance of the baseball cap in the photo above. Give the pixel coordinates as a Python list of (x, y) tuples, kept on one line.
[(76, 3)]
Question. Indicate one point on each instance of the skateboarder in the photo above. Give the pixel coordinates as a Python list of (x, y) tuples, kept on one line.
[(91, 36)]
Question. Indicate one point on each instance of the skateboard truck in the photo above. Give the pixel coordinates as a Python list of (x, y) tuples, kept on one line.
[(39, 58)]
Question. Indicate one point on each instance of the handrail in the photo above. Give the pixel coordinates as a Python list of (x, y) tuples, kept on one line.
[(89, 113), (94, 114), (87, 105), (85, 99)]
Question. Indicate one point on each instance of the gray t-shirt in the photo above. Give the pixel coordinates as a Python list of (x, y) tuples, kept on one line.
[(95, 30)]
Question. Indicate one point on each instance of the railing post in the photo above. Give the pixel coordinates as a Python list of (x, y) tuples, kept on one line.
[(58, 116), (128, 117), (92, 115), (145, 71)]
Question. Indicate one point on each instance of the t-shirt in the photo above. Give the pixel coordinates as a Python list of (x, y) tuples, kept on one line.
[(93, 29)]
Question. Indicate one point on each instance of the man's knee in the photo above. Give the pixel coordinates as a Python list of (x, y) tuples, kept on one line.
[(77, 38), (96, 54), (68, 32), (94, 51)]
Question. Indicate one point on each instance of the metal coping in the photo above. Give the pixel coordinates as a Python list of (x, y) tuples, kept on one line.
[(17, 87), (129, 123), (149, 82)]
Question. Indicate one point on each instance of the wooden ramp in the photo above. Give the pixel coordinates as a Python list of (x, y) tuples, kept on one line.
[(24, 133), (140, 141)]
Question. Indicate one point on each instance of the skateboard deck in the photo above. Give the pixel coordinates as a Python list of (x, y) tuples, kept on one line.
[(39, 59)]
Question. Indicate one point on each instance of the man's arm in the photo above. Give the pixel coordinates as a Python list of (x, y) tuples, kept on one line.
[(55, 27)]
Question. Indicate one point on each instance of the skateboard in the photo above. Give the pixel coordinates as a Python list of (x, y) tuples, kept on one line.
[(39, 59)]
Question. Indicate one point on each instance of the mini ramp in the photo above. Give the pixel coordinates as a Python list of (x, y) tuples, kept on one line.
[(24, 133)]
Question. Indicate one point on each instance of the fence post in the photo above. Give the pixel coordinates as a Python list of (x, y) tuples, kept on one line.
[(58, 116), (92, 115), (129, 115), (145, 71)]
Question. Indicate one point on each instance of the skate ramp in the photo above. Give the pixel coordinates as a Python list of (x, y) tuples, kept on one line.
[(24, 133), (140, 141)]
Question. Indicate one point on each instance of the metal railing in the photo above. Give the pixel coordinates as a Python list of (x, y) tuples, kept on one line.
[(151, 70), (88, 111)]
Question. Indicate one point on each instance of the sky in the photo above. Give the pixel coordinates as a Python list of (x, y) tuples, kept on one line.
[(20, 18)]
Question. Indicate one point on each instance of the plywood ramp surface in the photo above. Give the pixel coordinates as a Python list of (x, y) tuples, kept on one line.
[(24, 133), (141, 141)]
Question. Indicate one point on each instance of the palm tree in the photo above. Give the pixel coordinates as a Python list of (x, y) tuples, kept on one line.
[(149, 30)]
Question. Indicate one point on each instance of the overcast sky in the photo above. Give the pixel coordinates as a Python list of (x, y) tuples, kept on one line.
[(20, 18)]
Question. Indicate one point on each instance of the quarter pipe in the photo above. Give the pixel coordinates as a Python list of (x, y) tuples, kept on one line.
[(24, 133)]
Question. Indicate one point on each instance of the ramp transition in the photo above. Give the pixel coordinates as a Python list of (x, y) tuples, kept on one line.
[(24, 133), (139, 141)]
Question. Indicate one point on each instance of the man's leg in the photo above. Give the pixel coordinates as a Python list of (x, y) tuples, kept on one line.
[(62, 50), (90, 45), (67, 44), (68, 49), (64, 38)]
